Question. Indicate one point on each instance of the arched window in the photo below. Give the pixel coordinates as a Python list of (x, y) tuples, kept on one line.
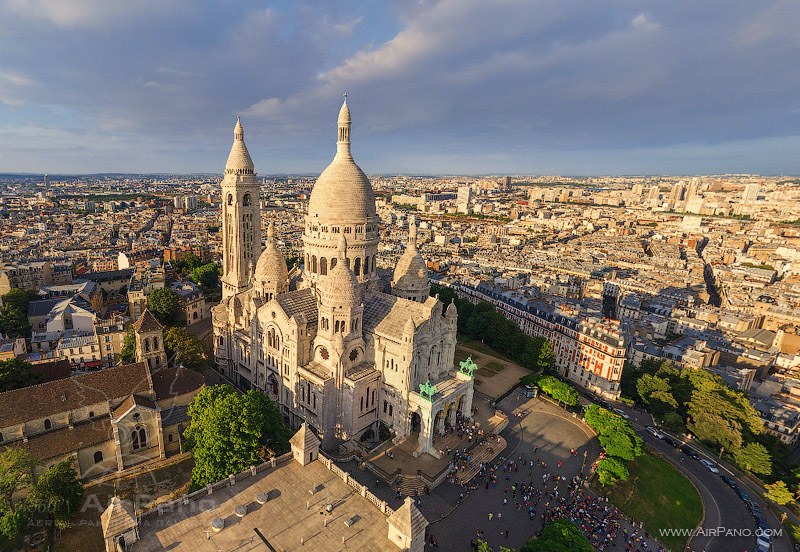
[(139, 437), (48, 424), (155, 343), (357, 268), (367, 397), (366, 265), (362, 404), (1, 437), (230, 199), (98, 456), (323, 266), (314, 264), (146, 344), (333, 262), (246, 200)]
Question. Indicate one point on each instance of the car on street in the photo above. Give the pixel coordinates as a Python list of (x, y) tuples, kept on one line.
[(755, 509), (763, 541), (742, 494), (709, 465), (621, 413), (690, 452), (730, 482), (655, 432), (671, 442)]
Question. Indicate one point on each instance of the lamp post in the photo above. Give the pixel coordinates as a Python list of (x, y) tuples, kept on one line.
[(583, 465)]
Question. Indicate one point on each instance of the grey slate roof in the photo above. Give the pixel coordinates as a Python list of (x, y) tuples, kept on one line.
[(387, 315), (300, 301)]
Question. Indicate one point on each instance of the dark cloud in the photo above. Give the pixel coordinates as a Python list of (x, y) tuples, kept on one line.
[(449, 86)]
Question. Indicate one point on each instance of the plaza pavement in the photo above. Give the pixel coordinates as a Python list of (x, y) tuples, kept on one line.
[(545, 432)]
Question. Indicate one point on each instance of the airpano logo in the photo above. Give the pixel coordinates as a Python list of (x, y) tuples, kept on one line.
[(719, 532)]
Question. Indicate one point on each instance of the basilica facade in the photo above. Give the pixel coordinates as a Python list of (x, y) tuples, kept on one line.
[(325, 342)]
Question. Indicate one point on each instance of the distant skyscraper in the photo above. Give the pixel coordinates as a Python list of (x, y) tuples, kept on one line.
[(750, 193), (46, 182), (653, 194), (694, 186)]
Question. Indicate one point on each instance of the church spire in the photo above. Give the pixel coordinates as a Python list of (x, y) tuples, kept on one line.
[(343, 143), (239, 161)]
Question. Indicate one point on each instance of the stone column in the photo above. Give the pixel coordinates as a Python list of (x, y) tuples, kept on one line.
[(451, 416), (440, 423), (425, 432)]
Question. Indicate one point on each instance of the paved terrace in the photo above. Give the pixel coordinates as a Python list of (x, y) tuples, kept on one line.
[(291, 514), (403, 459)]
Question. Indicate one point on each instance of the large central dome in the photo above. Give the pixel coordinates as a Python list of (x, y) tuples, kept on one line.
[(342, 193)]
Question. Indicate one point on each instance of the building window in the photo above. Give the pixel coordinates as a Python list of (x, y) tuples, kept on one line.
[(139, 437), (323, 266), (246, 200), (170, 437), (1, 437), (98, 456), (357, 269), (48, 424)]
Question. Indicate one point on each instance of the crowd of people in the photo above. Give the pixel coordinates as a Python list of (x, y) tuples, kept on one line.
[(556, 498)]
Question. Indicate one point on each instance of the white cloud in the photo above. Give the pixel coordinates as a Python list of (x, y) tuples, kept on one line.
[(642, 22), (85, 13)]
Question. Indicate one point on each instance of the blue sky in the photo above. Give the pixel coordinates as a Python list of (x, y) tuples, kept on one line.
[(448, 86)]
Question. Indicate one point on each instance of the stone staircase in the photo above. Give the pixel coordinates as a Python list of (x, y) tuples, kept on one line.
[(481, 454), (409, 485)]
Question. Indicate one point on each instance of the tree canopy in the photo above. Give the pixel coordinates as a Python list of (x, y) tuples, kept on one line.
[(619, 440), (482, 322), (206, 276), (718, 415), (128, 352), (164, 304), (14, 313), (187, 348), (559, 535), (230, 432), (559, 390), (16, 373), (55, 496), (778, 493)]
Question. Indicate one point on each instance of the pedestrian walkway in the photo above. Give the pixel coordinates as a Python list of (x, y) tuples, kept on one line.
[(481, 454)]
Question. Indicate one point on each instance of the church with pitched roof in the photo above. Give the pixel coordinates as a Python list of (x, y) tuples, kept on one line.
[(324, 341)]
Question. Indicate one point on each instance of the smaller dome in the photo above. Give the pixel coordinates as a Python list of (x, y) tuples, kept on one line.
[(340, 286), (411, 273), (271, 267), (451, 309)]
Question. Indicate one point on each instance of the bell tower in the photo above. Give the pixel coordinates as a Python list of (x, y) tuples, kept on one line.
[(241, 218)]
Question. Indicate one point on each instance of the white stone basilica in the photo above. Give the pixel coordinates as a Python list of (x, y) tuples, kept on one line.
[(324, 342)]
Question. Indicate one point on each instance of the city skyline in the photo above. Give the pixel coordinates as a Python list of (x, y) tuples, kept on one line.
[(441, 87)]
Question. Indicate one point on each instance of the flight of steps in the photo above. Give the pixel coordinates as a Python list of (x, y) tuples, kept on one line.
[(411, 483), (481, 454)]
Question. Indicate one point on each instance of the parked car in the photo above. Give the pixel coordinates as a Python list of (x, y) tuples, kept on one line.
[(763, 542), (690, 452), (655, 432), (730, 482), (755, 509), (671, 442), (762, 524), (710, 466), (742, 494), (621, 413)]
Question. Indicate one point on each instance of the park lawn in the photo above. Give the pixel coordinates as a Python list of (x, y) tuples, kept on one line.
[(658, 495), (482, 348)]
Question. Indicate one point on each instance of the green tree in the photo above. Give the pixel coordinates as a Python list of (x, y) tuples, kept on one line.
[(206, 276), (559, 390), (778, 493), (128, 352), (753, 457), (16, 473), (16, 373), (18, 299), (615, 433), (559, 536), (656, 393), (57, 494), (164, 304), (610, 470), (546, 358), (188, 350), (229, 432), (13, 323)]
